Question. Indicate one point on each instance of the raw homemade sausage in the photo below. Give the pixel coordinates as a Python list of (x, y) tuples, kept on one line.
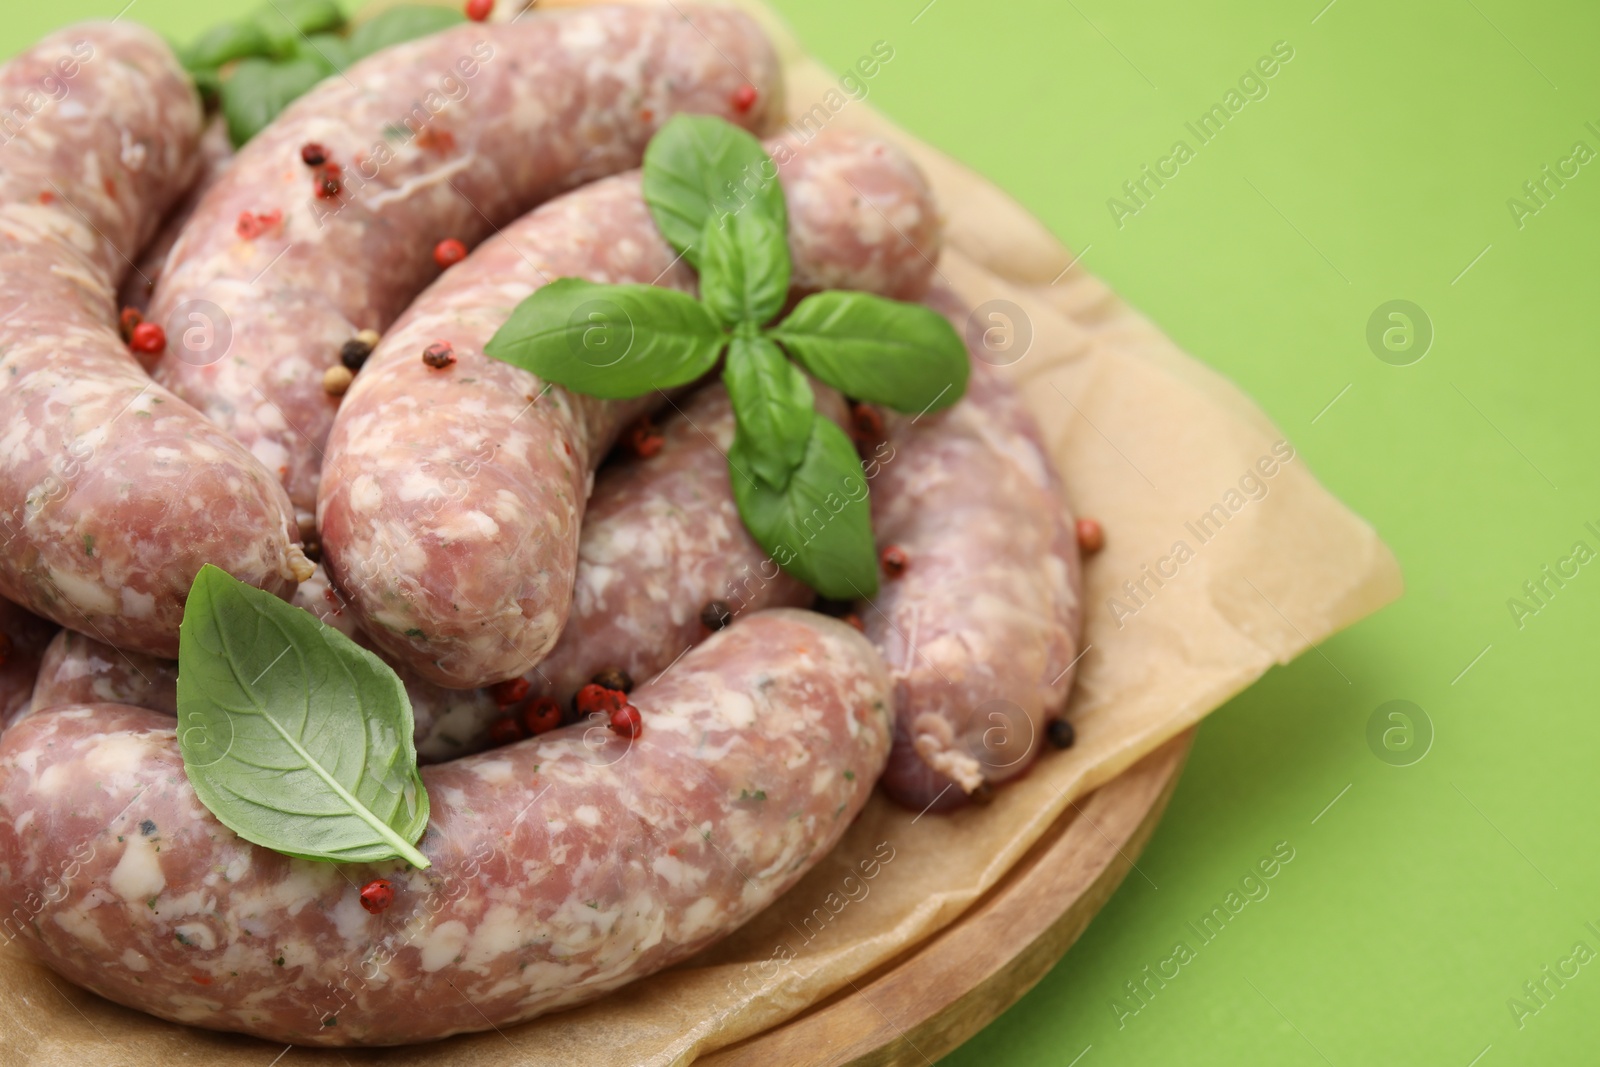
[(24, 638), (113, 492), (216, 152), (451, 499), (981, 630), (80, 670), (563, 866), (450, 136), (661, 540)]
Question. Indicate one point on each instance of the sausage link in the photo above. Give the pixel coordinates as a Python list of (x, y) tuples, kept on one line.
[(563, 866), (662, 540), (450, 136), (80, 670), (451, 499), (113, 493), (216, 152), (982, 629)]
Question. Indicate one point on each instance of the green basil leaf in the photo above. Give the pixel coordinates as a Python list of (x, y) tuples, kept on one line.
[(699, 167), (225, 43), (744, 267), (259, 89), (293, 736), (329, 51), (285, 22), (904, 356), (400, 24), (818, 527), (612, 341), (771, 407)]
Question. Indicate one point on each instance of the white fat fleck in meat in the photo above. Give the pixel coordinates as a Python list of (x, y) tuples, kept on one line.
[(138, 875), (134, 960), (116, 756), (494, 770), (137, 605), (79, 922), (84, 591), (353, 922), (366, 495), (444, 944)]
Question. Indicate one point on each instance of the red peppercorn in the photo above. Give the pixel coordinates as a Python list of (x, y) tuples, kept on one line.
[(327, 181), (126, 322), (505, 731), (645, 439), (148, 338), (510, 691), (597, 698), (1091, 536), (866, 422), (253, 224), (855, 620), (439, 355), (542, 716), (627, 721), (744, 98), (479, 10), (448, 252), (377, 895), (312, 154), (894, 561)]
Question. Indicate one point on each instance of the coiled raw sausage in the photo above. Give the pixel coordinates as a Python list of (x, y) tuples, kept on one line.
[(450, 136), (113, 493), (451, 499), (563, 866)]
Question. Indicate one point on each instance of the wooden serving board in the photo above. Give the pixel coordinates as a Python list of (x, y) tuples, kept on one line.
[(925, 1004)]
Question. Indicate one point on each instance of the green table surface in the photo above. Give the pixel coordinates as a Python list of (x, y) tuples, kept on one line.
[(1384, 161)]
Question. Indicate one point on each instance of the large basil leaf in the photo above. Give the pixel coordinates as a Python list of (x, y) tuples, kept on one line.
[(698, 167), (225, 43), (819, 527), (400, 24), (612, 341), (904, 356), (260, 88), (293, 736), (285, 22), (744, 267), (328, 51), (771, 407)]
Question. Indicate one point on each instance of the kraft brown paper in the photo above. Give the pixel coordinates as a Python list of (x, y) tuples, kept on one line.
[(1148, 440)]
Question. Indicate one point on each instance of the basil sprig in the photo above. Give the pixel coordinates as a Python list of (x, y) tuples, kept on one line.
[(257, 65), (797, 479), (294, 736)]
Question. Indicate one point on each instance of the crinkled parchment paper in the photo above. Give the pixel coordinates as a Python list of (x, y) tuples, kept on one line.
[(1233, 570)]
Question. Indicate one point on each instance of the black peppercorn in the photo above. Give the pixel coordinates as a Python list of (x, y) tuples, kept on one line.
[(1060, 733)]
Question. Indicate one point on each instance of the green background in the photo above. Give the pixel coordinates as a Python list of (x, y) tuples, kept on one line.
[(1377, 168)]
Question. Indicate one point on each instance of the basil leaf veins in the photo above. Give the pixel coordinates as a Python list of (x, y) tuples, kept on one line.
[(293, 736), (700, 167), (744, 267), (613, 341), (819, 527), (772, 407), (904, 356)]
